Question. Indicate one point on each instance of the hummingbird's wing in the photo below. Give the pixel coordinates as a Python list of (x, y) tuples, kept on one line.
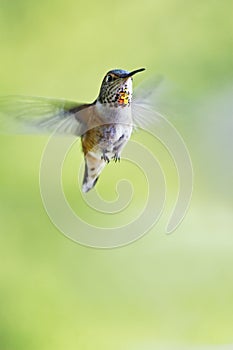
[(146, 102), (26, 114)]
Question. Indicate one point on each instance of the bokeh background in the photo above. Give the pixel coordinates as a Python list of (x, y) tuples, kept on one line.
[(162, 290)]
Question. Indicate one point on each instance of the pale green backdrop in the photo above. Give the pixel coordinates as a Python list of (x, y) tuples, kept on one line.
[(161, 290)]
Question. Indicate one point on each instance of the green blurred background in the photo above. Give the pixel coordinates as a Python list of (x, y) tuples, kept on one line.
[(161, 290)]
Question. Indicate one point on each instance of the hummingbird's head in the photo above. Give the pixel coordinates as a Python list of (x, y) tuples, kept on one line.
[(116, 88)]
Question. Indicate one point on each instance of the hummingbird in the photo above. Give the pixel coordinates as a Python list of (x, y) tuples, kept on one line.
[(113, 109), (105, 125)]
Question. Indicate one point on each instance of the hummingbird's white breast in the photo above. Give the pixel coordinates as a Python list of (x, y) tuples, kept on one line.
[(111, 114), (116, 129)]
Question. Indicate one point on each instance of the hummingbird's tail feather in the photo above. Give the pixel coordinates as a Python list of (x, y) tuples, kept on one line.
[(93, 169)]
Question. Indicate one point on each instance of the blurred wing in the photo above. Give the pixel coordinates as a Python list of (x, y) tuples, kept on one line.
[(23, 114), (145, 103)]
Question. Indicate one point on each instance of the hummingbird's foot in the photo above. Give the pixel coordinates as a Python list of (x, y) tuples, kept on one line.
[(105, 157), (116, 157)]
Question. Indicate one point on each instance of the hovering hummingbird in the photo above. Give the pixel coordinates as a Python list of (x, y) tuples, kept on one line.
[(113, 109), (105, 125)]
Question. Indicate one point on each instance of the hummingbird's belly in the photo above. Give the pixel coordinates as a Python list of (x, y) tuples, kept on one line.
[(114, 138), (109, 139)]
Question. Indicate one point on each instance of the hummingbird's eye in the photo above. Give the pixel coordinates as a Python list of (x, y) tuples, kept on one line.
[(109, 78)]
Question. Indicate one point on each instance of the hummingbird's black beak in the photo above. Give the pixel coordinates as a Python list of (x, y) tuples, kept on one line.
[(130, 74)]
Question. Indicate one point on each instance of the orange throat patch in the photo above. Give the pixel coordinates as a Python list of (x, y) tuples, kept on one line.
[(123, 98)]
